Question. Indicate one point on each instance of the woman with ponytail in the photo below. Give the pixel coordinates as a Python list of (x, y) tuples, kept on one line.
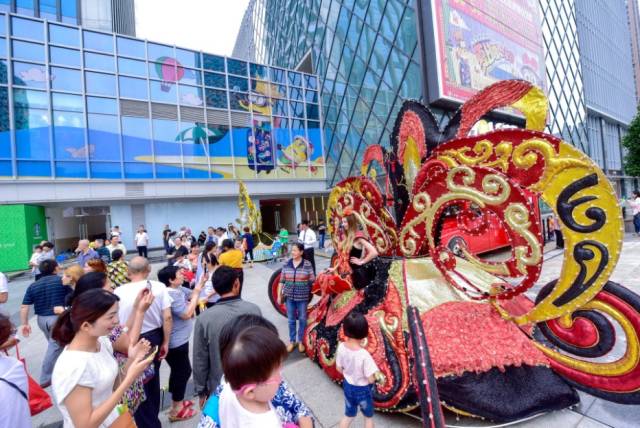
[(84, 378)]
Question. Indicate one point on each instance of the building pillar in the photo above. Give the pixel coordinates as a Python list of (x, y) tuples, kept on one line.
[(298, 209)]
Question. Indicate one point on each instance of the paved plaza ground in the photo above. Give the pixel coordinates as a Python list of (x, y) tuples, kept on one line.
[(325, 398)]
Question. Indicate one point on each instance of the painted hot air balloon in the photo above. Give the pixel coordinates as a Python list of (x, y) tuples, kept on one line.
[(169, 70)]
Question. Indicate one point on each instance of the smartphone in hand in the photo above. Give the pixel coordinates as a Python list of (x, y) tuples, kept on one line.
[(149, 286), (153, 351)]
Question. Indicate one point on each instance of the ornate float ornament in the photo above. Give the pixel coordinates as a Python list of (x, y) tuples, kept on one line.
[(482, 331)]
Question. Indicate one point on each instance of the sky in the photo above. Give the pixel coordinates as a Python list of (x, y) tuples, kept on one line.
[(207, 25)]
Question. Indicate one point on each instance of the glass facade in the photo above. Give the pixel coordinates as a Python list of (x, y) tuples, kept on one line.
[(79, 104), (367, 58)]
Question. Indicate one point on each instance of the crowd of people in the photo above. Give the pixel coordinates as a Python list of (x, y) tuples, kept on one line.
[(108, 326)]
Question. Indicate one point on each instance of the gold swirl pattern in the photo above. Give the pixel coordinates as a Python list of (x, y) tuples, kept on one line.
[(517, 216)]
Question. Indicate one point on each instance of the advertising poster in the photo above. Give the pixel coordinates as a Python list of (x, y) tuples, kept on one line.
[(480, 42)]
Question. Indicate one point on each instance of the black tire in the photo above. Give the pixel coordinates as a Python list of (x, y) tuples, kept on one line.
[(455, 244), (273, 290)]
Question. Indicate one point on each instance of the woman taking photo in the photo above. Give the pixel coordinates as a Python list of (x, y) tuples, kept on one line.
[(295, 287), (86, 371)]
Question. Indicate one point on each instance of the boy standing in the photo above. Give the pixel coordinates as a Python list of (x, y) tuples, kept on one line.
[(358, 368)]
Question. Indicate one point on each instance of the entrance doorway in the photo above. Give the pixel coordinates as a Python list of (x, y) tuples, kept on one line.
[(69, 225), (276, 214)]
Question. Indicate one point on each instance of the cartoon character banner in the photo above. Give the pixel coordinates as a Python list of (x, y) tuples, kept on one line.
[(479, 42)]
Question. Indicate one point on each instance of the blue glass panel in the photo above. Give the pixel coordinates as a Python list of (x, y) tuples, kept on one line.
[(133, 88), (5, 126), (168, 171), (219, 142), (106, 170), (313, 111), (98, 41), (315, 140), (132, 66), (23, 98), (295, 93), (158, 53), (3, 45), (280, 107), (295, 78), (311, 82), (68, 136), (194, 142), (64, 56), (213, 62), (136, 140), (71, 170), (191, 96), (236, 67), (278, 75), (66, 79), (236, 101), (280, 91), (282, 140), (241, 143), (104, 138), (27, 29), (259, 71), (198, 172), (28, 51), (32, 133), (49, 10), (188, 58), (69, 11), (5, 169), (165, 144), (238, 83), (129, 47), (297, 109), (67, 102), (311, 96), (99, 83), (31, 75), (138, 170), (29, 169), (216, 80), (191, 76), (5, 5), (163, 92), (102, 105), (99, 61), (216, 98)]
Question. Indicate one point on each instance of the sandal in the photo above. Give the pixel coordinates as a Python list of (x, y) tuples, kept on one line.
[(187, 403), (184, 414)]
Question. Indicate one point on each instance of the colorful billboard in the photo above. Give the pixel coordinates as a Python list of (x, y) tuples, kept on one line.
[(479, 42)]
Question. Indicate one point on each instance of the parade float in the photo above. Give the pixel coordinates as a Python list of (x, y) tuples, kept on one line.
[(453, 328)]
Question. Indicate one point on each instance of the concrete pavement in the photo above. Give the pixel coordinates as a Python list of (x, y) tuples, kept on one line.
[(325, 398)]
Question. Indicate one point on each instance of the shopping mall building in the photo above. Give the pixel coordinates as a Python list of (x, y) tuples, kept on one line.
[(99, 128)]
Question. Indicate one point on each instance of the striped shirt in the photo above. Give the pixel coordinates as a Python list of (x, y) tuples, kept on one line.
[(46, 293), (297, 280)]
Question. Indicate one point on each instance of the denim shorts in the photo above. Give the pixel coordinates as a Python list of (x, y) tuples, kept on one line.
[(357, 396)]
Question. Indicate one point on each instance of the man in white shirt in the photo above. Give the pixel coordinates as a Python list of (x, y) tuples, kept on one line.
[(156, 328), (116, 245), (142, 241), (307, 237), (634, 202)]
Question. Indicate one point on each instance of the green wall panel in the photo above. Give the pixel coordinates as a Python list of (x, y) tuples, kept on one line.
[(21, 227)]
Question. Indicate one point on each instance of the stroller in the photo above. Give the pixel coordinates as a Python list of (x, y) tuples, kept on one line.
[(276, 251)]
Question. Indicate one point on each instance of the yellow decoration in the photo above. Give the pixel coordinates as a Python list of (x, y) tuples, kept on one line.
[(249, 214), (411, 161), (534, 105)]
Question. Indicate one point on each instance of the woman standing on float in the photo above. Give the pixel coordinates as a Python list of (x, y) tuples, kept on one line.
[(355, 266)]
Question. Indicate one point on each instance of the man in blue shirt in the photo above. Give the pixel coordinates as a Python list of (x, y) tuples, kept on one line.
[(44, 294), (85, 253)]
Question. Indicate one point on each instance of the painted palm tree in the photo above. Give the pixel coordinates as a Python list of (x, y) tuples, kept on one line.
[(201, 134)]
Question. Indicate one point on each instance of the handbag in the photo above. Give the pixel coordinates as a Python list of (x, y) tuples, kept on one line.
[(125, 420), (39, 399)]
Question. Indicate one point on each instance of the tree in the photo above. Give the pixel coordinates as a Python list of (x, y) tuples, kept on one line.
[(631, 142)]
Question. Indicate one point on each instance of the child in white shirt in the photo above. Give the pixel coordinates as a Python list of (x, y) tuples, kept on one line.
[(251, 367), (33, 261), (358, 368)]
